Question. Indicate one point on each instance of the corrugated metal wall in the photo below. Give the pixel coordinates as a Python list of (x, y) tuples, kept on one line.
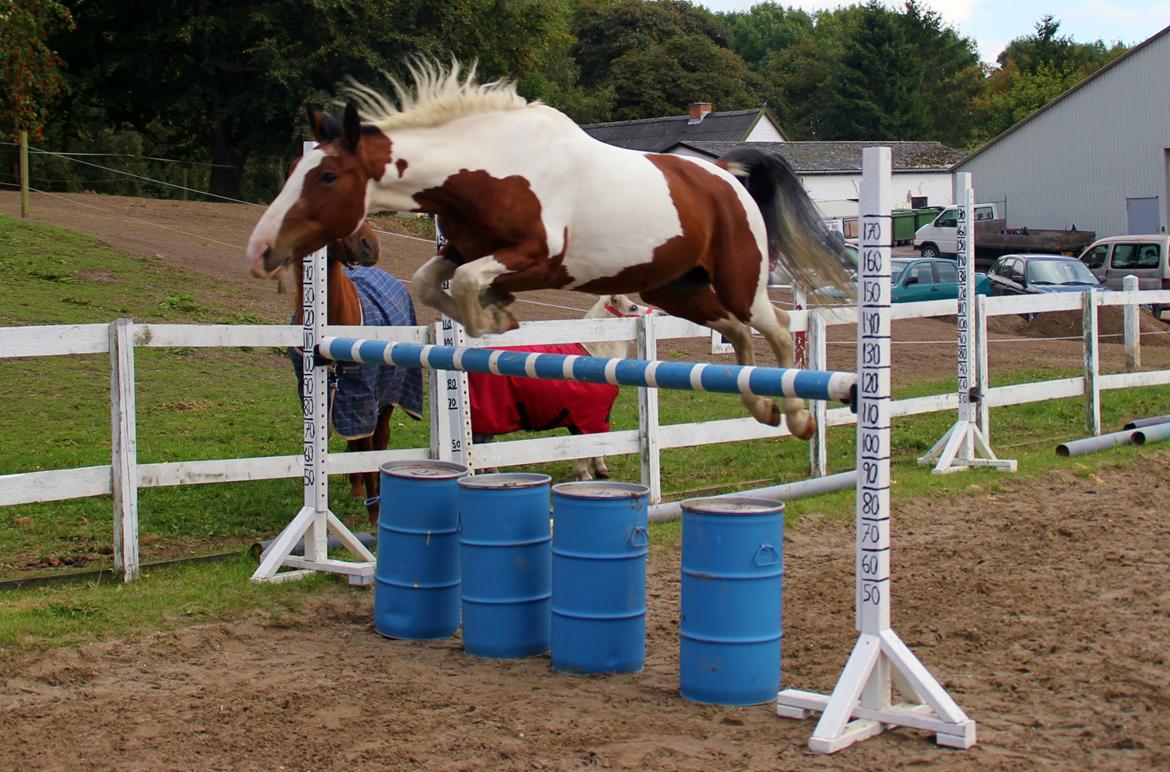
[(1078, 161)]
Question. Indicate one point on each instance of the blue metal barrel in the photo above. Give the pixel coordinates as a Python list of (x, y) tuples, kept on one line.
[(416, 578), (504, 557), (600, 542), (732, 573)]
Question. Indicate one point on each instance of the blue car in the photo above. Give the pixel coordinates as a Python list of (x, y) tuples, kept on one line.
[(928, 278), (1036, 274), (914, 279)]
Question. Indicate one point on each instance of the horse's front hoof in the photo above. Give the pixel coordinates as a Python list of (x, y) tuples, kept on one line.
[(807, 431)]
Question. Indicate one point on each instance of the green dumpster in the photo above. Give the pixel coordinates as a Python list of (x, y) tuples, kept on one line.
[(903, 226), (925, 215)]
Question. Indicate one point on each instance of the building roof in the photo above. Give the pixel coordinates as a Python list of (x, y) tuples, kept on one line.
[(843, 157), (1082, 84), (657, 134)]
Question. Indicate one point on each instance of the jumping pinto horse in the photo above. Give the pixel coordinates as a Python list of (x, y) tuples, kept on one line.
[(501, 404), (528, 201), (362, 397)]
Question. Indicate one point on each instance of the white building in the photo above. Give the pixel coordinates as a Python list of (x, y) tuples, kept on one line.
[(1097, 157), (830, 171)]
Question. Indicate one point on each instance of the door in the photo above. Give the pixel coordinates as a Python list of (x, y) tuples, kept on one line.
[(1142, 215), (1140, 258), (917, 283)]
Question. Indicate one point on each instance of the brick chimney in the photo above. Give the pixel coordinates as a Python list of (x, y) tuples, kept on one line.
[(698, 110)]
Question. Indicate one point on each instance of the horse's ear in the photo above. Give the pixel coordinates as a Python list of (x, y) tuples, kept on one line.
[(324, 125), (351, 128)]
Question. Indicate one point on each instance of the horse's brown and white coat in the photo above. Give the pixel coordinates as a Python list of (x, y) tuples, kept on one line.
[(527, 200)]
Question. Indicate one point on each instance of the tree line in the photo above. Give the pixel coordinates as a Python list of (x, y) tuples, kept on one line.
[(226, 84)]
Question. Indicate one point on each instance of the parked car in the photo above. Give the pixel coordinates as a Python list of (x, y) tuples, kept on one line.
[(1035, 274), (778, 277), (1146, 257), (921, 278)]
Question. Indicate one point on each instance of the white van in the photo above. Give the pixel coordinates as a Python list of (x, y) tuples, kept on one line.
[(937, 238), (1145, 256)]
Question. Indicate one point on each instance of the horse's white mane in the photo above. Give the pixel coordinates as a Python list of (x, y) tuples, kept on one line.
[(439, 95)]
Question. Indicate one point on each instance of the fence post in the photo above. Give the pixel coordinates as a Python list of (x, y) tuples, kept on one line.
[(124, 453), (983, 378), (24, 174), (1092, 362), (1133, 335), (818, 449), (648, 446)]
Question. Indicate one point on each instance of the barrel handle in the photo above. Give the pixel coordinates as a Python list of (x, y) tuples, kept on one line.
[(639, 538), (764, 550)]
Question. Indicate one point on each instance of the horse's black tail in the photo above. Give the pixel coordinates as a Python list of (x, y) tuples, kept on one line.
[(796, 237)]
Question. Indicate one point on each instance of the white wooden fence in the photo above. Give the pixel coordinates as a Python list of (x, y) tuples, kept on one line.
[(120, 338)]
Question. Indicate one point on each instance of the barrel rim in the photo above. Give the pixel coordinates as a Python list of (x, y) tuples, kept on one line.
[(615, 490), (506, 480), (717, 505), (451, 469)]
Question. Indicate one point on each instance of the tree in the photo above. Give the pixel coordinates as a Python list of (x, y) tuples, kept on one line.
[(230, 81), (655, 58), (30, 71), (1034, 70), (767, 29)]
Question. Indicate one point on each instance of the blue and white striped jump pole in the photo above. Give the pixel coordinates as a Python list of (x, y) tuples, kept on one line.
[(688, 376)]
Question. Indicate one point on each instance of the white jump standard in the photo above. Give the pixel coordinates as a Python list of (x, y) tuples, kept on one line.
[(861, 705)]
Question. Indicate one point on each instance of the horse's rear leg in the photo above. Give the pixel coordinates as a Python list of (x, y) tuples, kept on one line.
[(773, 324), (428, 285), (697, 302), (380, 440)]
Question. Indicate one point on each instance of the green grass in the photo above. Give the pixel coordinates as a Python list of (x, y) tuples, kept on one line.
[(161, 600), (222, 403)]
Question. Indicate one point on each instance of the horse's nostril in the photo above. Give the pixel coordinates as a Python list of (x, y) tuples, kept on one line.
[(267, 253)]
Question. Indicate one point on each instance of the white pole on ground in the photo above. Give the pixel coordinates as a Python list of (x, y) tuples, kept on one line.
[(314, 521), (862, 705), (964, 445)]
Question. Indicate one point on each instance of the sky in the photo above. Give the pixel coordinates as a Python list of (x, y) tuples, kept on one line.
[(994, 23)]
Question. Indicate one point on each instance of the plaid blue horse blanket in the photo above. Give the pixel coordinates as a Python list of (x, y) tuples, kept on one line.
[(357, 391)]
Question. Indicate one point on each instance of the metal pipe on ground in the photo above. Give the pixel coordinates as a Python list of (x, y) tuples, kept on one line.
[(1093, 444), (1154, 433), (1138, 423), (786, 492)]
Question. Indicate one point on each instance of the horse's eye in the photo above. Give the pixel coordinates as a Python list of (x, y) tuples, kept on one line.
[(328, 177)]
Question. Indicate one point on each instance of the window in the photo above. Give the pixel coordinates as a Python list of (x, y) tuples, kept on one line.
[(918, 202), (1095, 258), (984, 213), (1013, 271), (923, 274), (1124, 256), (947, 220), (1149, 256), (946, 272)]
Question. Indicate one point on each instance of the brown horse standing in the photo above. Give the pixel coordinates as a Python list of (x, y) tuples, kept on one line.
[(347, 265)]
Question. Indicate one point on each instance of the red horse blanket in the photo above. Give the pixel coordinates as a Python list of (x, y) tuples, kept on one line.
[(501, 404)]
